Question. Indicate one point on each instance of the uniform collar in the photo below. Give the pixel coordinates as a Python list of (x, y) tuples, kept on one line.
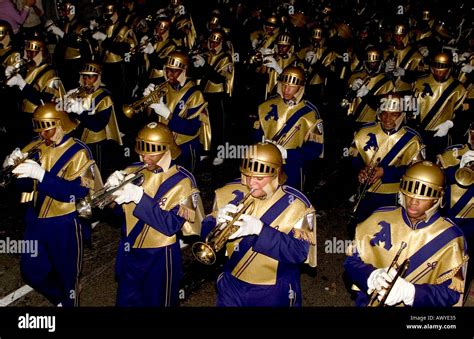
[(420, 224)]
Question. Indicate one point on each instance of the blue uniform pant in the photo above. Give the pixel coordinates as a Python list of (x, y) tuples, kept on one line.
[(148, 277), (232, 292), (54, 272)]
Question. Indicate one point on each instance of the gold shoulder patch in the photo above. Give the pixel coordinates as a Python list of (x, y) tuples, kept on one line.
[(186, 213), (304, 235)]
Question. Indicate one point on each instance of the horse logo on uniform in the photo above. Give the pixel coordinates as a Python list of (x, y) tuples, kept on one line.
[(272, 114), (371, 143), (383, 235), (239, 195)]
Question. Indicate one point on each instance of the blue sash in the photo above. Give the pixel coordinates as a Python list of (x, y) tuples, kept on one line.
[(292, 121), (395, 150)]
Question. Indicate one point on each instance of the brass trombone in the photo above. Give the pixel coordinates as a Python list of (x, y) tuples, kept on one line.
[(373, 164), (206, 252), (105, 195), (6, 174), (400, 271), (153, 97)]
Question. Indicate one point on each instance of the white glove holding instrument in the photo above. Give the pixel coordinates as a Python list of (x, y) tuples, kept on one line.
[(466, 158), (223, 213), (362, 92), (402, 291), (161, 109), (115, 179), (248, 225), (14, 157), (129, 193), (148, 89), (272, 63), (29, 169), (99, 36), (198, 61), (17, 80), (56, 31)]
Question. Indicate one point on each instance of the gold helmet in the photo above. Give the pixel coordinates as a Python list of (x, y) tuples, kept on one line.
[(441, 60), (163, 24), (263, 160), (47, 116), (108, 9), (284, 39), (183, 23), (5, 29), (177, 60), (426, 15), (423, 180), (217, 35), (374, 55), (91, 68), (442, 29), (156, 138), (292, 76), (271, 21), (34, 45), (400, 29), (215, 20)]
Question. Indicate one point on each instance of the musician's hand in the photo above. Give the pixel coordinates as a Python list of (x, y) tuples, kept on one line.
[(223, 213), (115, 179), (149, 49), (14, 157), (378, 280), (254, 43), (129, 193), (399, 72), (56, 31), (270, 62), (443, 128), (161, 109), (310, 57), (466, 158), (467, 68), (9, 71), (29, 169), (402, 291), (362, 177), (198, 61), (143, 39), (264, 50), (17, 80), (356, 84), (248, 225), (377, 174), (148, 89), (93, 24), (362, 92), (424, 51), (389, 66), (99, 36)]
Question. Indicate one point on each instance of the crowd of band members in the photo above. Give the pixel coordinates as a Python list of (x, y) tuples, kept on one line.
[(173, 86)]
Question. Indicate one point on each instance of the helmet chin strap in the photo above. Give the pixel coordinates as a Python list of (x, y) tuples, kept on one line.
[(165, 161), (58, 135), (270, 188)]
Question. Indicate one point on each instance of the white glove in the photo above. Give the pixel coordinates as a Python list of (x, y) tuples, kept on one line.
[(143, 39), (254, 43), (148, 89), (56, 31), (310, 57), (443, 128), (9, 70), (399, 72), (464, 56), (424, 51), (149, 49), (161, 109), (198, 61), (361, 92), (466, 158), (93, 24), (115, 179), (29, 169), (17, 80), (129, 193), (272, 63), (12, 159), (248, 225), (223, 213), (467, 68), (356, 84), (99, 36), (264, 50), (389, 66), (378, 280), (402, 291)]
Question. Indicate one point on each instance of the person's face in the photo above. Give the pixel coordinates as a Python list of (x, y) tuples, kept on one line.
[(30, 55), (89, 79), (151, 161), (440, 74), (398, 39), (389, 119), (257, 184), (172, 74), (283, 49), (214, 44), (48, 135), (416, 208), (268, 29), (288, 92)]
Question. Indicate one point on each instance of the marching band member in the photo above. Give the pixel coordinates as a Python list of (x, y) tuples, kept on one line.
[(148, 265), (435, 247), (273, 239)]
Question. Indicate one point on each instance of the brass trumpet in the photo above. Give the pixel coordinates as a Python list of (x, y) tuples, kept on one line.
[(79, 93), (257, 58), (6, 174), (105, 196), (206, 252), (400, 271), (141, 104), (363, 188), (351, 94)]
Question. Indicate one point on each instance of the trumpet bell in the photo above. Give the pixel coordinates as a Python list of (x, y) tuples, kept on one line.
[(128, 111), (464, 176), (204, 253), (84, 209)]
